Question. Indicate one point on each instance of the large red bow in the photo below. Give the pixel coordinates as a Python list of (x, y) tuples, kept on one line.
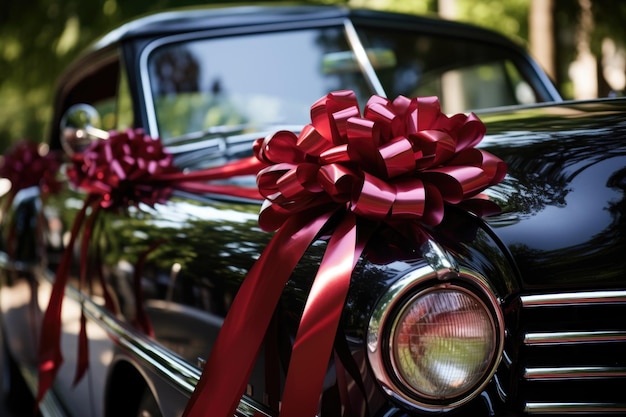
[(400, 161)]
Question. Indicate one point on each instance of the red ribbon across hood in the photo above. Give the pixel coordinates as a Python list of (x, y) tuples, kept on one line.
[(400, 161)]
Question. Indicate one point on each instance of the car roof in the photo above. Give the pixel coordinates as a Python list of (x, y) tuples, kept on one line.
[(232, 19), (201, 18)]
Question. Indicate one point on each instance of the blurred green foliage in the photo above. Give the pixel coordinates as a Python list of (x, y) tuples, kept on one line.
[(38, 38)]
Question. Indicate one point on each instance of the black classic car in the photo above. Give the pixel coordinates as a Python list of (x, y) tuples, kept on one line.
[(467, 310)]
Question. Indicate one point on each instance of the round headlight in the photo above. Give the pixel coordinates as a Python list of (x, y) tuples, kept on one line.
[(434, 345), (443, 343)]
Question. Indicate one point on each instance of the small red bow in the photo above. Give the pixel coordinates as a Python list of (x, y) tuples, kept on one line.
[(25, 165), (124, 170)]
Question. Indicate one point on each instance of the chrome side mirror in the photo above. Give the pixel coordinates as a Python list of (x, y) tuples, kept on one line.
[(80, 125)]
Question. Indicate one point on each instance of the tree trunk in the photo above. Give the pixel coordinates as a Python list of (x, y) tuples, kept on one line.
[(541, 34)]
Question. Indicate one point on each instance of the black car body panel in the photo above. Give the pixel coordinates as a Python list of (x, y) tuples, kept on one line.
[(566, 184)]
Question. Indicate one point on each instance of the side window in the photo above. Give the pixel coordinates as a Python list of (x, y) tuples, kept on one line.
[(116, 112), (124, 103), (465, 74), (477, 86), (95, 101), (98, 88)]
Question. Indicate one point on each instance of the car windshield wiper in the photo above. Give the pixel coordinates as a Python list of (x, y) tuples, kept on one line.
[(219, 144), (222, 130)]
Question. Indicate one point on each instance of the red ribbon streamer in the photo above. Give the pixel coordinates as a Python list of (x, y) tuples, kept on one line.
[(402, 161), (250, 315), (50, 357), (127, 169)]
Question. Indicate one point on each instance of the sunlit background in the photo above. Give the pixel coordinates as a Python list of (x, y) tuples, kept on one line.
[(580, 43)]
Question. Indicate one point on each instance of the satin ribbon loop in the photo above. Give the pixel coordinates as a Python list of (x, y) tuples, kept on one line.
[(410, 202), (363, 132), (336, 154), (493, 167), (427, 112), (436, 146), (340, 123), (374, 200), (338, 182), (381, 111), (364, 139), (455, 183), (311, 142), (408, 109), (271, 216), (398, 157), (470, 131), (329, 113), (434, 210), (267, 178), (281, 148), (291, 185)]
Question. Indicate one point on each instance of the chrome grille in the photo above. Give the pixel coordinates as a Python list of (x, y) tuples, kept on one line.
[(573, 356)]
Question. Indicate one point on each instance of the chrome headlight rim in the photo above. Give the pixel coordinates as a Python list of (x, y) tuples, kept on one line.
[(389, 309)]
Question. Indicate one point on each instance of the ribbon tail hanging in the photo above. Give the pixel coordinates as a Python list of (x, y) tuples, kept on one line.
[(231, 361), (83, 342), (50, 357), (318, 326)]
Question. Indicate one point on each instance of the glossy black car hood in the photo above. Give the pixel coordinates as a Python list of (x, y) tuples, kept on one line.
[(563, 202)]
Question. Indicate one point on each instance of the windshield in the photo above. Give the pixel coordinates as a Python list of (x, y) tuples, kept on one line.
[(253, 80), (247, 82)]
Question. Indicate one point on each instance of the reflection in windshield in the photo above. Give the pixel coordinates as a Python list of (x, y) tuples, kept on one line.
[(258, 81), (246, 80)]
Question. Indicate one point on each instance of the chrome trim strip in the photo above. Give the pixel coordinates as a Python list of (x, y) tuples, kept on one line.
[(439, 259), (362, 58), (574, 372), (572, 338), (575, 298), (182, 374), (575, 408), (553, 338), (506, 359), (50, 405), (178, 371)]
